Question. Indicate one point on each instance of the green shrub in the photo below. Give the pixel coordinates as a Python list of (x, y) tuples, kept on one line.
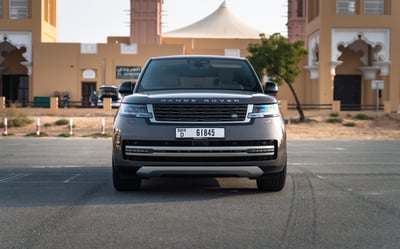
[(17, 122), (311, 120), (334, 120), (33, 134), (61, 122), (65, 134), (334, 115), (349, 124), (363, 117), (15, 118)]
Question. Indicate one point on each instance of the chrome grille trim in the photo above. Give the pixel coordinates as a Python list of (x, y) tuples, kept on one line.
[(196, 151), (200, 113)]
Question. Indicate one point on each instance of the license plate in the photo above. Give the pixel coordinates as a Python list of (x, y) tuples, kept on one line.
[(200, 132)]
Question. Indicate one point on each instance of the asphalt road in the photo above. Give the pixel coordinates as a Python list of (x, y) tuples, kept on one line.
[(57, 193)]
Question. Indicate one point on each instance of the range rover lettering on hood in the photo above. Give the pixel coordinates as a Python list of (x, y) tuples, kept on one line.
[(200, 101)]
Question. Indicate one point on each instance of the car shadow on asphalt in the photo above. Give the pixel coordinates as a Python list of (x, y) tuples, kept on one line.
[(177, 189), (93, 186)]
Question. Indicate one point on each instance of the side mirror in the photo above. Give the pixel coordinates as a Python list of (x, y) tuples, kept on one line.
[(271, 88), (126, 88)]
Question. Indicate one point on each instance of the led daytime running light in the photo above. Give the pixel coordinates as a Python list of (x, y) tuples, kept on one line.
[(137, 110), (264, 110)]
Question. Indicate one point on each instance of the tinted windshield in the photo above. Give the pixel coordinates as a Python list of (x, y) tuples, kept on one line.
[(199, 73)]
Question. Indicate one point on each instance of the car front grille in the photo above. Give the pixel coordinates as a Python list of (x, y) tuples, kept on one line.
[(200, 112)]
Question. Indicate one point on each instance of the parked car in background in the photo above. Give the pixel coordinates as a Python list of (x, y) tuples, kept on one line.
[(109, 91), (199, 116)]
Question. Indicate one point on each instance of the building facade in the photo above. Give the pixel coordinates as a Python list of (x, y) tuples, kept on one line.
[(23, 24), (38, 66), (353, 51)]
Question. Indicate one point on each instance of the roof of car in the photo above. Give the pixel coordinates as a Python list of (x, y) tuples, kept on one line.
[(199, 56), (108, 86)]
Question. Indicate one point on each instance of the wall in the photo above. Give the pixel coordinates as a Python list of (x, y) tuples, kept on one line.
[(59, 66), (211, 46)]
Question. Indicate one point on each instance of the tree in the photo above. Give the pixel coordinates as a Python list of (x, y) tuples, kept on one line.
[(280, 59)]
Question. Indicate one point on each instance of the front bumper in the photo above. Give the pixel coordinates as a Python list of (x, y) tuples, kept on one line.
[(248, 150), (234, 171)]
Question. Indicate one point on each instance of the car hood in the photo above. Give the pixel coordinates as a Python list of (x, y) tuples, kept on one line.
[(199, 97)]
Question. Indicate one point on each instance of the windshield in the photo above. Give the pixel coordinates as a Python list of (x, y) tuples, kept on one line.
[(199, 73)]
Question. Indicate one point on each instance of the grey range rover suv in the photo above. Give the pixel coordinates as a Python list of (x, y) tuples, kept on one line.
[(199, 116)]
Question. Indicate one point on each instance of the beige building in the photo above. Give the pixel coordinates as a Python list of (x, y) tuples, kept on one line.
[(22, 25), (352, 49), (36, 66)]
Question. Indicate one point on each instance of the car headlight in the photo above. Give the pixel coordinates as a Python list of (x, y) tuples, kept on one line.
[(136, 110), (265, 110)]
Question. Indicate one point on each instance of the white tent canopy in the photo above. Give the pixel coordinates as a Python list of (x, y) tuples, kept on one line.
[(222, 23)]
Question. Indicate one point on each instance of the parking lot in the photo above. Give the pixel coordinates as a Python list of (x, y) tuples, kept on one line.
[(57, 193)]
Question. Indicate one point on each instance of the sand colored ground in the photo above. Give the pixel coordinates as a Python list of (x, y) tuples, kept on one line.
[(381, 127)]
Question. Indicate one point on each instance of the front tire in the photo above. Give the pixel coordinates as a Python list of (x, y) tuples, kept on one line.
[(124, 181), (272, 182)]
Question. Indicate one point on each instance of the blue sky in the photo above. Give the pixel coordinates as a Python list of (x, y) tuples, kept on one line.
[(94, 20)]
